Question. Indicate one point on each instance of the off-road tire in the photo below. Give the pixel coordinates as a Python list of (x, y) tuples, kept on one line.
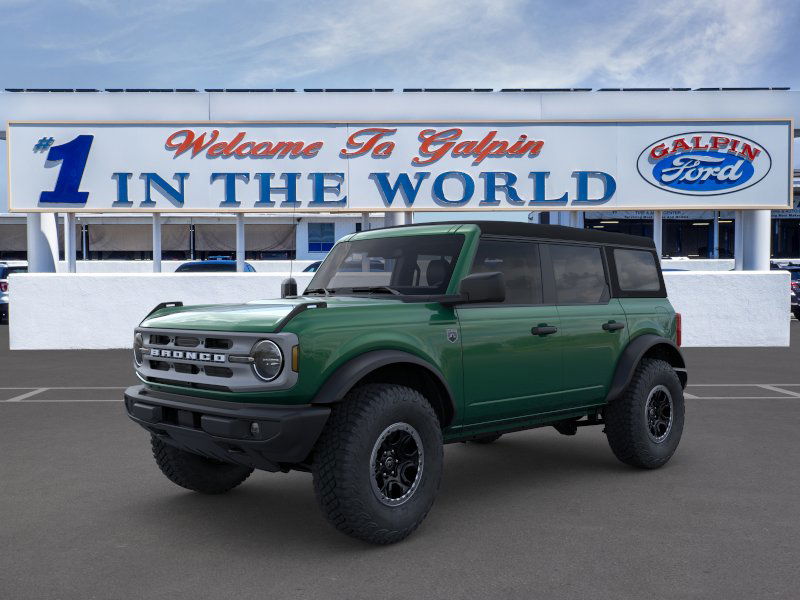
[(343, 470), (195, 472), (487, 439), (626, 424)]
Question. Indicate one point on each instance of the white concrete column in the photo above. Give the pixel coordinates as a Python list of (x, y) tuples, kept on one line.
[(534, 216), (756, 240), (85, 242), (576, 219), (156, 243), (364, 221), (392, 219), (42, 240), (408, 218), (715, 236), (69, 241), (240, 247), (658, 231), (738, 240)]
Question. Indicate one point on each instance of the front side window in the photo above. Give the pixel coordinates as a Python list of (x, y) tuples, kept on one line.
[(406, 265), (579, 274), (519, 264), (636, 270), (321, 237)]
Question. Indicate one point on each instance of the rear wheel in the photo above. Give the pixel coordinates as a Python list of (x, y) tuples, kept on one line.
[(195, 472), (378, 463), (644, 425)]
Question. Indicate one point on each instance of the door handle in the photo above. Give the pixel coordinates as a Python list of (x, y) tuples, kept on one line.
[(544, 330), (613, 326)]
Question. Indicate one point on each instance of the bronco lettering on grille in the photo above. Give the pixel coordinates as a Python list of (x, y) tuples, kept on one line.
[(184, 355)]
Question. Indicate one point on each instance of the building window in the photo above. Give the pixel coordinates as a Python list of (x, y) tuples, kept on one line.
[(320, 237)]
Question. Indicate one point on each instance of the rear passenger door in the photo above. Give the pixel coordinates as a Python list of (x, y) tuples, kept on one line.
[(593, 325), (510, 370)]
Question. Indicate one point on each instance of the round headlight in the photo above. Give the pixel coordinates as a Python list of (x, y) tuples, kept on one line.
[(138, 343), (268, 360)]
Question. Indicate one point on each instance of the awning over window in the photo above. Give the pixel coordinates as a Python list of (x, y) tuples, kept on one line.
[(258, 238), (13, 237), (136, 238)]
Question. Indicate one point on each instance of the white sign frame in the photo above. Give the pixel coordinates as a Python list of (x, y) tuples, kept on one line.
[(682, 126)]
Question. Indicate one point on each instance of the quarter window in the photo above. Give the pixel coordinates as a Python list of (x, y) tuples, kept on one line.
[(321, 237), (579, 274), (519, 264), (636, 270)]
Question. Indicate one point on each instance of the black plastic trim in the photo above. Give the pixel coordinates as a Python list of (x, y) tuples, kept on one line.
[(288, 432), (161, 305), (351, 372), (633, 354), (296, 311)]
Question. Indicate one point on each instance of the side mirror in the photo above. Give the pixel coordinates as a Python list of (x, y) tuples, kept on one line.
[(483, 287), (288, 287)]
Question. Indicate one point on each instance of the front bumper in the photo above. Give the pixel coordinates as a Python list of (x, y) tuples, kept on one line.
[(225, 430)]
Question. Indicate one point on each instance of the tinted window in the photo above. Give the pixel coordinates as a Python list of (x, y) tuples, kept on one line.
[(321, 237), (418, 264), (636, 271), (579, 274), (519, 264)]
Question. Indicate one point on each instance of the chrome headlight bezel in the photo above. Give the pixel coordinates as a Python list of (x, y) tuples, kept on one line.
[(273, 348)]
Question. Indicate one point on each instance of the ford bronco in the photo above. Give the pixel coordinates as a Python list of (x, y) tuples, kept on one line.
[(408, 338)]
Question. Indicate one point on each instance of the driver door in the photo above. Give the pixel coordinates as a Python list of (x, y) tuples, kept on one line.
[(512, 351)]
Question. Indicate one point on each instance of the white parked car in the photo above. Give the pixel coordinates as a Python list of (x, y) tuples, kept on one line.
[(6, 269)]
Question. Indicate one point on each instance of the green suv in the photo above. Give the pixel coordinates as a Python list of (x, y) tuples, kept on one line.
[(408, 338)]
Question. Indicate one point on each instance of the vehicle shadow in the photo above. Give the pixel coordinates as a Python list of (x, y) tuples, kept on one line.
[(280, 511)]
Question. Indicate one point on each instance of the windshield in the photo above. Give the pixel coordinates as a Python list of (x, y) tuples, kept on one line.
[(204, 267), (412, 265)]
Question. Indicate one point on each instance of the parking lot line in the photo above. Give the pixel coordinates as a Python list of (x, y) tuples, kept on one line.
[(775, 388), (27, 394)]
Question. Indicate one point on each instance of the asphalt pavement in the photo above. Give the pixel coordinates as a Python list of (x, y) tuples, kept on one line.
[(85, 513)]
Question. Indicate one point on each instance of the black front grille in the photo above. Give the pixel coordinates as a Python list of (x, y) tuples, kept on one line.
[(187, 342), (218, 343), (213, 371), (159, 340), (188, 384)]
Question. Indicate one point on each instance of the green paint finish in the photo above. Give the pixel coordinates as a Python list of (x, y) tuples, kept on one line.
[(501, 375)]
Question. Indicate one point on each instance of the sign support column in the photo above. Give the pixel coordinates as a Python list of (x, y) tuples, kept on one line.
[(240, 242), (156, 242), (738, 240), (69, 241), (658, 231), (757, 240), (42, 238)]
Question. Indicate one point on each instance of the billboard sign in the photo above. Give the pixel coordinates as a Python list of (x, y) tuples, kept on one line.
[(285, 167)]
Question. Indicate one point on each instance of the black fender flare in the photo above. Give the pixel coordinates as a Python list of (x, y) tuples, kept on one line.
[(632, 355), (351, 372)]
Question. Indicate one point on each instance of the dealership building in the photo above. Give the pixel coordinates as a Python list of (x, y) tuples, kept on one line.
[(108, 191), (122, 238)]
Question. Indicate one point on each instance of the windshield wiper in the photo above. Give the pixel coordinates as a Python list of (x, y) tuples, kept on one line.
[(324, 291), (375, 289)]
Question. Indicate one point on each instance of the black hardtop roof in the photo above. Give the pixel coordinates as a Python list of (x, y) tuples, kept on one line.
[(552, 232)]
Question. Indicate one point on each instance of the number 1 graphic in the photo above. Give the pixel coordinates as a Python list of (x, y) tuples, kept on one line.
[(73, 157)]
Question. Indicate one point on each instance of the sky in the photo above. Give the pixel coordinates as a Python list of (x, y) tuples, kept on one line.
[(404, 43)]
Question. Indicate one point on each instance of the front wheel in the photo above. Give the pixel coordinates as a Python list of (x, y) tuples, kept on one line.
[(644, 425), (378, 463)]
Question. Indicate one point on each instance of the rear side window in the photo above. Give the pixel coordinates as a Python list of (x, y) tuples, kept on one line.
[(636, 270), (580, 277), (519, 264)]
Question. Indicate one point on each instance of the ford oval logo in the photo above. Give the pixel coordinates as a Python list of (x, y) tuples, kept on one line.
[(704, 163)]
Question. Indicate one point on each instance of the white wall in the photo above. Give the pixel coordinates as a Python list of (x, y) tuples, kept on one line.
[(80, 311), (169, 266), (731, 308), (55, 311)]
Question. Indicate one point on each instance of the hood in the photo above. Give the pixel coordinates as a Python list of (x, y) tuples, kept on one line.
[(259, 316)]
